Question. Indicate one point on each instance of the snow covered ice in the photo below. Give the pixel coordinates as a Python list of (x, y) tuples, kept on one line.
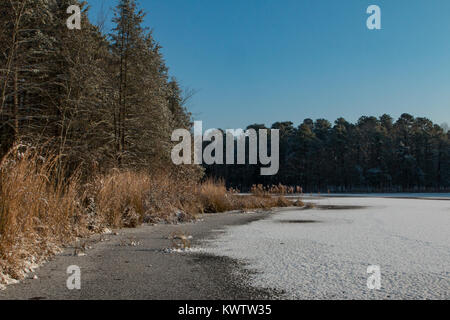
[(324, 253)]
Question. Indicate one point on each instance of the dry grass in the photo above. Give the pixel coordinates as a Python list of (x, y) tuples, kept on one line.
[(216, 198), (127, 199), (120, 198), (40, 210), (180, 240), (310, 205), (260, 190)]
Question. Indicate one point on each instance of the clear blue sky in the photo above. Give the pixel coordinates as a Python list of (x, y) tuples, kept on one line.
[(261, 61)]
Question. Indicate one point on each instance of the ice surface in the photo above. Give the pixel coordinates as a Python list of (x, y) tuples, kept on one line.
[(317, 253)]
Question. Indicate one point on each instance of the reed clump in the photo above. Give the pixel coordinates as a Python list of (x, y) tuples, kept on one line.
[(42, 208)]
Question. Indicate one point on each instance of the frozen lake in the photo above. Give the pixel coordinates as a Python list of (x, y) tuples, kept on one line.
[(382, 195), (324, 253)]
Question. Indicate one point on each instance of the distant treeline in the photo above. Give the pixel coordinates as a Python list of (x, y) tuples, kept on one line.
[(375, 154), (97, 101)]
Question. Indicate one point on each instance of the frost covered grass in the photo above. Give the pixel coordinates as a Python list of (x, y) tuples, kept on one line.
[(41, 210), (38, 210), (215, 197), (119, 198)]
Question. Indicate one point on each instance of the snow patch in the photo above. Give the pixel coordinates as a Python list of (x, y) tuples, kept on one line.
[(185, 250), (407, 238)]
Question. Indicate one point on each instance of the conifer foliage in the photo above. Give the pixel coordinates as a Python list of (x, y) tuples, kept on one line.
[(96, 100), (373, 155)]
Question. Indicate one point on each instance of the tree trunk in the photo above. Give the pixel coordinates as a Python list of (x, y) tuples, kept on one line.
[(16, 104)]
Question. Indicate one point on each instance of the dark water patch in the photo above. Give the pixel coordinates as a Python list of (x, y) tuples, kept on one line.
[(299, 221), (230, 278), (340, 207)]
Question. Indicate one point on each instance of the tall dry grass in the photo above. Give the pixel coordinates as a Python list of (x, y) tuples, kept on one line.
[(280, 189), (127, 198), (41, 210), (119, 198), (215, 197), (38, 209)]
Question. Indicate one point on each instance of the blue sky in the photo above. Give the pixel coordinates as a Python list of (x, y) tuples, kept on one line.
[(261, 61)]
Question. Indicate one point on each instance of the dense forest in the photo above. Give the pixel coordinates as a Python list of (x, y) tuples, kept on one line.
[(373, 155), (99, 101), (103, 101)]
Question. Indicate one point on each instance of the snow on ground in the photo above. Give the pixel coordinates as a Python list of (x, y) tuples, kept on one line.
[(324, 253)]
